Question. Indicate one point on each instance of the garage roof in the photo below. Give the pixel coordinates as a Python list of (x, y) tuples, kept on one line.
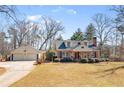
[(25, 49)]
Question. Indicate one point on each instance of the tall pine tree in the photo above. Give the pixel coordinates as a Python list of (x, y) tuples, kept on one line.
[(78, 35), (90, 32)]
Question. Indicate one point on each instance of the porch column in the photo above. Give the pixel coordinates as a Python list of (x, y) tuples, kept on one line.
[(97, 54), (59, 54), (81, 55)]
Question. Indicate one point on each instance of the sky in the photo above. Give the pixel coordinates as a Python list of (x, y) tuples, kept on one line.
[(71, 16)]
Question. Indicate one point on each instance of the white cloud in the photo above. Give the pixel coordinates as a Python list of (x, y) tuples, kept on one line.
[(71, 11), (57, 9), (58, 21), (34, 17), (61, 9)]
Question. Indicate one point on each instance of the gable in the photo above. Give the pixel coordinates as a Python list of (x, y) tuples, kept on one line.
[(62, 46), (27, 49)]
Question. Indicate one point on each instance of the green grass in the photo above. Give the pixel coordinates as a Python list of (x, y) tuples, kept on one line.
[(74, 75)]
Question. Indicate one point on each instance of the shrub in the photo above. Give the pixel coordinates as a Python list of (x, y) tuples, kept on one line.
[(90, 60), (56, 60), (84, 61), (66, 59), (100, 60), (94, 60), (50, 56), (97, 60), (104, 59), (107, 59)]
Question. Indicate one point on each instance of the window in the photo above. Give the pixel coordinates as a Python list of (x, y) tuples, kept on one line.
[(68, 44), (63, 54), (67, 54)]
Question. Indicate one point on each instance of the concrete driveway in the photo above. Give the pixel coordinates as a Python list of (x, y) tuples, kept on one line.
[(15, 71)]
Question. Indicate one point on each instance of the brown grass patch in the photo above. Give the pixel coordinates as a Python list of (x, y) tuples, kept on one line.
[(2, 70), (74, 75)]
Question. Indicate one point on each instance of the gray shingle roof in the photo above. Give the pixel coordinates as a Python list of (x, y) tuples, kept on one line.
[(61, 45), (82, 48), (27, 48)]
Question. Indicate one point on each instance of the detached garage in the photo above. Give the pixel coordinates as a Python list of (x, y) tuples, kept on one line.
[(24, 53)]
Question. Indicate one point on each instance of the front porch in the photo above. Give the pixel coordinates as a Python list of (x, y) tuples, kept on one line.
[(78, 54)]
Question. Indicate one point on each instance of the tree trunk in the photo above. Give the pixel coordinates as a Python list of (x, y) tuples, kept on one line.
[(122, 48)]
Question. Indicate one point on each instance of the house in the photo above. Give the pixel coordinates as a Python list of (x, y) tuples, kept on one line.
[(24, 53), (76, 49)]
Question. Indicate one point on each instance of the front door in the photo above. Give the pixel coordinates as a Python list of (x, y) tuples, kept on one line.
[(77, 56)]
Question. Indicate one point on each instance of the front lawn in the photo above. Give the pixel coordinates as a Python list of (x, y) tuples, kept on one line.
[(74, 75), (2, 70)]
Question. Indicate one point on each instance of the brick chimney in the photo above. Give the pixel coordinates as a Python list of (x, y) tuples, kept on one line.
[(95, 41)]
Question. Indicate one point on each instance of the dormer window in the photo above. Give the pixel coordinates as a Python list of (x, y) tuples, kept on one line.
[(79, 43)]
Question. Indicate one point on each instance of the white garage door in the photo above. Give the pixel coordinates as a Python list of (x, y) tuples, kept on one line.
[(29, 57)]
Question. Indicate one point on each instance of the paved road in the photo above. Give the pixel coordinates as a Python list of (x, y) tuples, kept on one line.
[(15, 71)]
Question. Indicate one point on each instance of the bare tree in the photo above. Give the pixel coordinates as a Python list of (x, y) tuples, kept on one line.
[(32, 36), (49, 28), (20, 32), (114, 41), (120, 13), (38, 35), (13, 34), (8, 10), (2, 39), (8, 13), (102, 29), (120, 27)]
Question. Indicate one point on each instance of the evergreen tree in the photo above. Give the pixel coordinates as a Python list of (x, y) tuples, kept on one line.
[(90, 32), (78, 35)]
